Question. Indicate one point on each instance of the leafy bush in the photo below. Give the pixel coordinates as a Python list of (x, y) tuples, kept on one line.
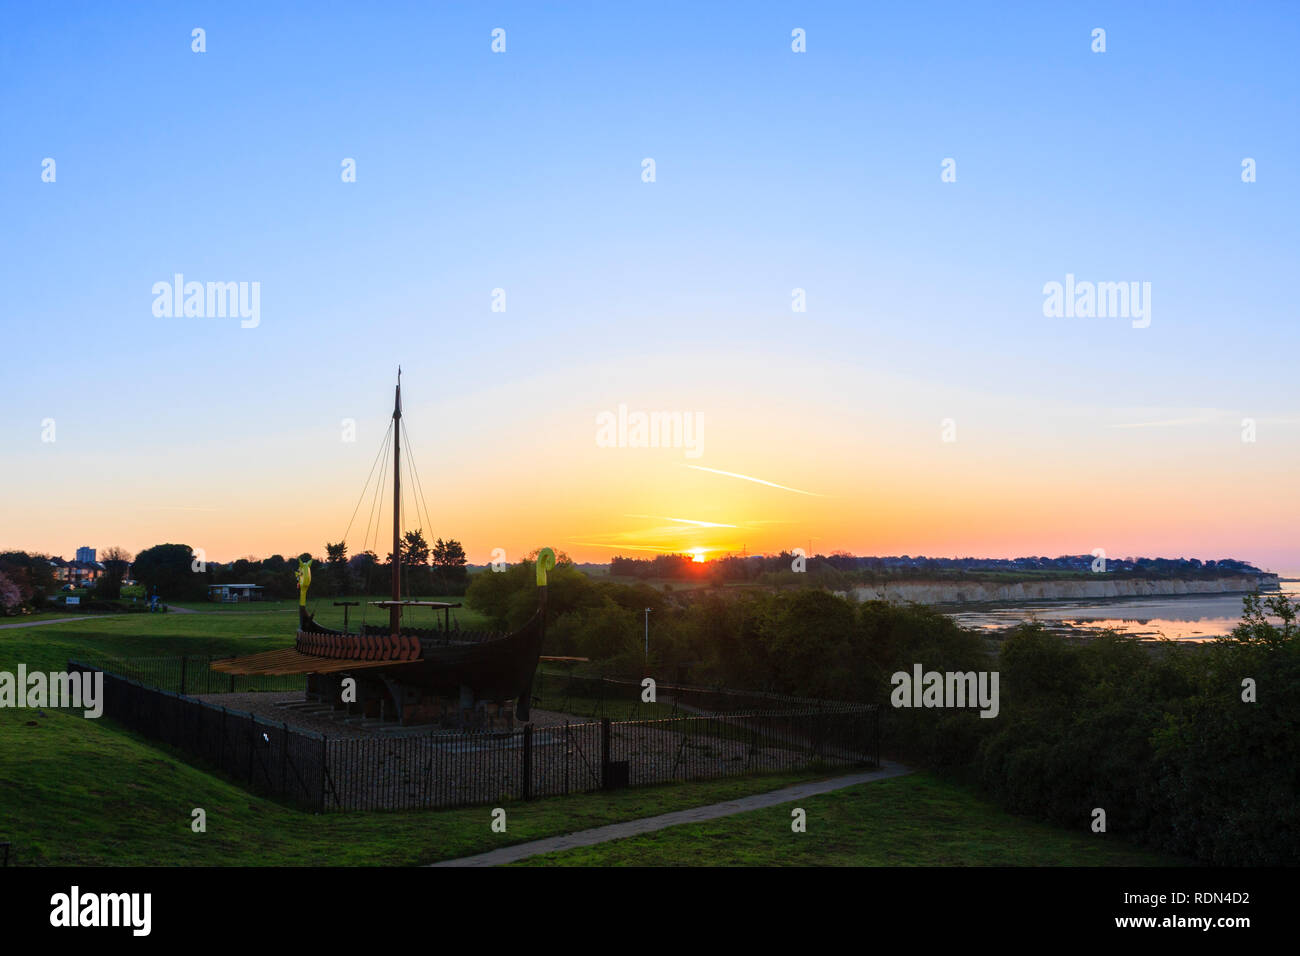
[(1161, 738), (1158, 736)]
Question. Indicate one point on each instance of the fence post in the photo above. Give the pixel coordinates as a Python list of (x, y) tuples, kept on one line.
[(428, 772), (528, 761), (324, 755), (567, 754), (284, 756), (604, 753), (221, 742), (182, 675), (875, 720)]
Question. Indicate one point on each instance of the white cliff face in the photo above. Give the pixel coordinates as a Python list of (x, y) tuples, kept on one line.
[(923, 592)]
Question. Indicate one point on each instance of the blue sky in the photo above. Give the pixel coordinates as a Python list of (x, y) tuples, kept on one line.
[(522, 171)]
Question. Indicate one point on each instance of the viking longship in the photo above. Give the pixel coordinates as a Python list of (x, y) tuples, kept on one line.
[(409, 673)]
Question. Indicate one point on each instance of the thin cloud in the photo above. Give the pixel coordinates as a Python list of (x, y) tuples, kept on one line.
[(1198, 416), (176, 508), (698, 524), (1167, 423), (1206, 417), (758, 481), (625, 547)]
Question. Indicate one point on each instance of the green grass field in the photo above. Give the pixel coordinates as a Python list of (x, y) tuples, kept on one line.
[(77, 792), (916, 820), (331, 616), (47, 615), (50, 646), (82, 792), (216, 629)]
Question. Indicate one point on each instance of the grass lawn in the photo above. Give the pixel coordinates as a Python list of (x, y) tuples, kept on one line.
[(917, 820), (50, 646), (47, 615), (77, 792), (235, 629), (82, 792), (331, 616)]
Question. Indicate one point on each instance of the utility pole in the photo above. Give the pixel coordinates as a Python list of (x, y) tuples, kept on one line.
[(647, 637)]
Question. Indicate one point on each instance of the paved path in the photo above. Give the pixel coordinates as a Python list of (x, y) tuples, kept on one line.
[(55, 620), (616, 831)]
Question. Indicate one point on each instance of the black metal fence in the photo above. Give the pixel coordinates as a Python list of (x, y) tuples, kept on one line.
[(270, 758), (625, 698), (440, 769), (193, 674)]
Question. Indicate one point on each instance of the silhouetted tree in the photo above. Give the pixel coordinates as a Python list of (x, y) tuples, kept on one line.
[(168, 569), (451, 576)]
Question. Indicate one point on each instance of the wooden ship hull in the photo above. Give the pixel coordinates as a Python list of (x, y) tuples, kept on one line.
[(465, 666), (416, 675)]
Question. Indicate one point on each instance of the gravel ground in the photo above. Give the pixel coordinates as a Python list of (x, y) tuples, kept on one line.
[(369, 771), (422, 772), (266, 705)]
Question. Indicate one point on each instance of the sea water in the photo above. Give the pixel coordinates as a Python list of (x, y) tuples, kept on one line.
[(1189, 617)]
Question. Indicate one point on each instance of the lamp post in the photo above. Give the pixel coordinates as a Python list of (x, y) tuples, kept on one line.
[(647, 637)]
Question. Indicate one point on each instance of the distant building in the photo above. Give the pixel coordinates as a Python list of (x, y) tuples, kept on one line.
[(86, 555), (234, 592), (79, 573)]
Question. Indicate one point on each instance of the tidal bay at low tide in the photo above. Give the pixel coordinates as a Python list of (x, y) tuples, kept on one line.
[(1190, 617)]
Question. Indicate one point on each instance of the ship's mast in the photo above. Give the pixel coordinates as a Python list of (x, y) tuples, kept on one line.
[(395, 612)]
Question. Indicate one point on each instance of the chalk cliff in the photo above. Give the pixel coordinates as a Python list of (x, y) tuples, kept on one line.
[(932, 592)]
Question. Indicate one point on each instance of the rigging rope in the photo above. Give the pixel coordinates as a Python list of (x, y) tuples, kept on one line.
[(382, 445), (375, 503), (417, 493), (375, 515), (370, 521), (419, 487)]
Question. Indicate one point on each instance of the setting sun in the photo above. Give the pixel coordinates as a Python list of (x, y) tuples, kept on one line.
[(697, 555)]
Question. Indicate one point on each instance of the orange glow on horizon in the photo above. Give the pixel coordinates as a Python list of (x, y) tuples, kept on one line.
[(866, 484)]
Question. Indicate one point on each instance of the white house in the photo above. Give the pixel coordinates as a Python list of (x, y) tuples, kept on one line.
[(235, 592)]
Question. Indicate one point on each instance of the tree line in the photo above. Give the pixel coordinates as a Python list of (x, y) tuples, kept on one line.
[(1190, 748), (176, 572), (29, 580), (424, 569), (840, 569)]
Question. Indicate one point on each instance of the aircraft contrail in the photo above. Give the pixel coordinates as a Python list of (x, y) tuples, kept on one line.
[(770, 484), (701, 524)]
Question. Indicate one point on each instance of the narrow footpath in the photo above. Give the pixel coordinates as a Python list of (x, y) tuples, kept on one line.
[(56, 620), (616, 831)]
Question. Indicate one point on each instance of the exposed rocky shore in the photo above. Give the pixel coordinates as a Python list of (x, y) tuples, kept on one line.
[(979, 592)]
